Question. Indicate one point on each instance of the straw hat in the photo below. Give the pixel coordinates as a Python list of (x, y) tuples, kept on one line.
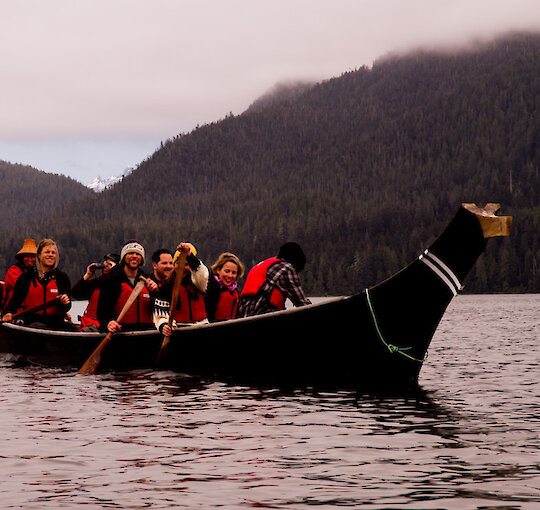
[(29, 248)]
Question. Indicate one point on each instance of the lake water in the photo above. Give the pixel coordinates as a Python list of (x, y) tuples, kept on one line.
[(469, 440)]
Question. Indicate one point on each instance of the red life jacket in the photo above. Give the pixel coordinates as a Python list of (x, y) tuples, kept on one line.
[(10, 280), (90, 314), (2, 295), (190, 306), (256, 279), (226, 307), (139, 312), (39, 295), (88, 321)]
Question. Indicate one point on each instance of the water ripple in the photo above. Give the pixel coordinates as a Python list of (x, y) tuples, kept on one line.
[(469, 438)]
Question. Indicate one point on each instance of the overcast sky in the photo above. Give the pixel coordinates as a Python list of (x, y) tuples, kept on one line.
[(90, 87)]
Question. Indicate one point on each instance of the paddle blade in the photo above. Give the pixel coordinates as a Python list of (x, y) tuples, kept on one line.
[(91, 364), (162, 350)]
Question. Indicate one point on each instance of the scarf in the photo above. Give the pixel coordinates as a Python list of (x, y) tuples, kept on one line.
[(221, 284)]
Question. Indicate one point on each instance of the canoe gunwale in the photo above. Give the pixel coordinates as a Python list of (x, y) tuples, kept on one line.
[(152, 332)]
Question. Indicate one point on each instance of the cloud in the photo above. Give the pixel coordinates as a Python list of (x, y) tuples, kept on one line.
[(133, 68)]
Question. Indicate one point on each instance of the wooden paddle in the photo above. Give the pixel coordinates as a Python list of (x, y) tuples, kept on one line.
[(91, 364), (37, 308), (179, 273)]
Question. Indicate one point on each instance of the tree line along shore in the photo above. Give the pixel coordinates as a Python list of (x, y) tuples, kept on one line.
[(363, 170)]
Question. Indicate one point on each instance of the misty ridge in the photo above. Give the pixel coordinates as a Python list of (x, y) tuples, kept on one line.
[(364, 170), (282, 92)]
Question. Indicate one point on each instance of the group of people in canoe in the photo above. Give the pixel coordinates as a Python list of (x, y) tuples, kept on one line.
[(179, 291)]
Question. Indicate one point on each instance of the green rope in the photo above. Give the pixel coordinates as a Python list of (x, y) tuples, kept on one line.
[(391, 347)]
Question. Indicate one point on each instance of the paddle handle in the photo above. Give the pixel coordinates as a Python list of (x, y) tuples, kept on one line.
[(179, 272), (132, 297), (37, 308)]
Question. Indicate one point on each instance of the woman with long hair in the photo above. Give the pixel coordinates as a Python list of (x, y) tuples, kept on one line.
[(44, 286)]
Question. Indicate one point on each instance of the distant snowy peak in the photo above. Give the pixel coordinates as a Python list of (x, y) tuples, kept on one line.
[(99, 184)]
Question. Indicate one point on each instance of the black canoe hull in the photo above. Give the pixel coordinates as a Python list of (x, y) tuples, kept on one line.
[(375, 340), (310, 346)]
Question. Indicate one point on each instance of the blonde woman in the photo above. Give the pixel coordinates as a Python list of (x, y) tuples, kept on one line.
[(221, 297), (43, 284)]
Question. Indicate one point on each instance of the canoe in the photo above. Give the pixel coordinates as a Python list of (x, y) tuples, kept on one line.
[(374, 340)]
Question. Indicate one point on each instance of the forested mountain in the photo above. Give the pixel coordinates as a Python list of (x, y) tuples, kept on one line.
[(27, 193), (23, 187), (364, 170)]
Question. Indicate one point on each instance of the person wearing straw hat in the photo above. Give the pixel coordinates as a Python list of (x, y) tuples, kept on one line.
[(26, 258)]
